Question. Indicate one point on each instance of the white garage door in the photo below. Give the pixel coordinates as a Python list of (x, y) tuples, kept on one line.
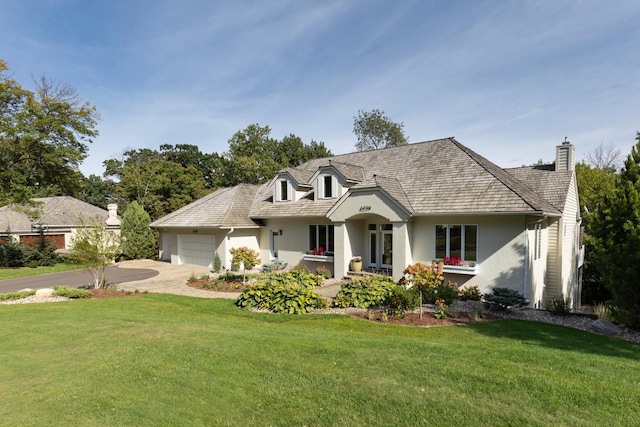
[(196, 250)]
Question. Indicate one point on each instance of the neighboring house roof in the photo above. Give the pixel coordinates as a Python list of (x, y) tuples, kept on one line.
[(60, 212), (545, 180), (226, 207), (429, 178)]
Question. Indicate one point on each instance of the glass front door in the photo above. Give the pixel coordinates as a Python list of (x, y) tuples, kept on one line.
[(386, 250), (380, 245)]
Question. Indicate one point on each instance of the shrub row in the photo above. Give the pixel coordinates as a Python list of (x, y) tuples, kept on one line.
[(14, 254)]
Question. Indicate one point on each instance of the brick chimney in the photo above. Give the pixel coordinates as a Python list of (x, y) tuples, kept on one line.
[(565, 156)]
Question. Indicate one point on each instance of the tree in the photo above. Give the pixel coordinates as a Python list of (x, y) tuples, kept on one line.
[(43, 138), (160, 186), (594, 184), (212, 166), (374, 130), (138, 241), (95, 248), (97, 191), (254, 157), (615, 230), (604, 157), (248, 257)]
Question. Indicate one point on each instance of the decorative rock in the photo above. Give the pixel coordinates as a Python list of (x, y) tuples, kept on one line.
[(605, 327), (44, 293)]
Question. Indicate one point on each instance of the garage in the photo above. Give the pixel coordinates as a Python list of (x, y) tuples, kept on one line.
[(196, 250)]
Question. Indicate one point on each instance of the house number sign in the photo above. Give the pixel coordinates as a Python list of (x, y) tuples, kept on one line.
[(365, 208)]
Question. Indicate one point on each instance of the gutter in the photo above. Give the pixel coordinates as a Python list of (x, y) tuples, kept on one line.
[(526, 252)]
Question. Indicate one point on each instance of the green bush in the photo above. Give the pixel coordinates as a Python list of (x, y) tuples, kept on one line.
[(364, 293), (558, 306), (470, 293), (69, 292), (324, 272), (283, 293), (217, 263), (401, 300), (16, 295), (32, 264), (505, 298)]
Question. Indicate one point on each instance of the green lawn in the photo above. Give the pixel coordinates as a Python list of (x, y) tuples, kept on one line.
[(178, 361), (14, 273)]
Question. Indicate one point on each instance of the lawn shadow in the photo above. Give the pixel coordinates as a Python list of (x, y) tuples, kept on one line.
[(558, 337)]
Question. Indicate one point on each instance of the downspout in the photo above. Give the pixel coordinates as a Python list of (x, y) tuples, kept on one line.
[(227, 237)]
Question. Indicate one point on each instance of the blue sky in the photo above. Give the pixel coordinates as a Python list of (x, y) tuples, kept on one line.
[(509, 79)]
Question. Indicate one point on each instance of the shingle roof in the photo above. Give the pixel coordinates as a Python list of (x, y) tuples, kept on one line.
[(443, 176), (56, 211), (226, 207), (545, 180), (427, 178)]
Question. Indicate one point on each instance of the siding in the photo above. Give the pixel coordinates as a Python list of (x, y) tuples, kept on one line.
[(553, 286)]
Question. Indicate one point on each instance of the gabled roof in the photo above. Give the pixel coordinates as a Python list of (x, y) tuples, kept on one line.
[(545, 180), (300, 176), (351, 173), (60, 211), (226, 207), (390, 185)]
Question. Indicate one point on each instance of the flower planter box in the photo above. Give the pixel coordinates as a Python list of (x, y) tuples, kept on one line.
[(458, 269), (318, 258)]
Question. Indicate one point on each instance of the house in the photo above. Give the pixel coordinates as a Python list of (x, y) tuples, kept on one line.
[(57, 218), (435, 200)]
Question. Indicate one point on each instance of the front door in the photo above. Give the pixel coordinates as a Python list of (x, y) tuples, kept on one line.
[(380, 245)]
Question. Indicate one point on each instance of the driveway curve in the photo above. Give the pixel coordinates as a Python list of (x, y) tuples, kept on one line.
[(141, 275)]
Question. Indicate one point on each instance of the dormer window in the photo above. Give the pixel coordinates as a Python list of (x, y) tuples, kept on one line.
[(328, 187), (283, 191)]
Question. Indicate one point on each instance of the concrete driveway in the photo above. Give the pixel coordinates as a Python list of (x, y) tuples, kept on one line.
[(141, 275)]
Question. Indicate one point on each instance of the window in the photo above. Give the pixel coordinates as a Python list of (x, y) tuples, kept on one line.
[(327, 187), (321, 236), (537, 245), (283, 191), (457, 241)]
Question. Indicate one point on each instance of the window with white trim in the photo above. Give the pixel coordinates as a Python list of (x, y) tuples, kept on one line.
[(321, 238), (327, 187), (283, 191), (457, 241)]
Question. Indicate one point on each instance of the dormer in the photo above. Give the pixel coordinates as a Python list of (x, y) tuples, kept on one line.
[(289, 185), (332, 181)]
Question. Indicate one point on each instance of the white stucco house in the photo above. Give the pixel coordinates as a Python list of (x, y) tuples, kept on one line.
[(516, 228)]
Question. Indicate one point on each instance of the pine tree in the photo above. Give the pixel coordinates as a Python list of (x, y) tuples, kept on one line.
[(138, 241), (616, 235)]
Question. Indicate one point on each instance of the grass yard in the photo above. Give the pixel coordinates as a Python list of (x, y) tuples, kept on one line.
[(178, 361), (14, 273)]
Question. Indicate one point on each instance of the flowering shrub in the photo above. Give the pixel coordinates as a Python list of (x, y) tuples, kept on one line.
[(441, 312), (429, 281), (470, 293), (248, 257)]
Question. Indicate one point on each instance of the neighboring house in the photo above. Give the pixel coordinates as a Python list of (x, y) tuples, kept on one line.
[(57, 218), (516, 228)]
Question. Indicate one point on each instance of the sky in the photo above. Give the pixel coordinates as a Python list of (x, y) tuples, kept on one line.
[(508, 79)]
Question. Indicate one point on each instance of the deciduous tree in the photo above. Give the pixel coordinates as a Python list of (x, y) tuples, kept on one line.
[(43, 138), (375, 130)]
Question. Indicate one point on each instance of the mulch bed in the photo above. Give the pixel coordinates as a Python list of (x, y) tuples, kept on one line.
[(427, 320), (218, 286), (108, 293)]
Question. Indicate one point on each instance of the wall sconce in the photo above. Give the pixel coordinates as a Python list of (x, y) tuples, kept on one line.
[(280, 231)]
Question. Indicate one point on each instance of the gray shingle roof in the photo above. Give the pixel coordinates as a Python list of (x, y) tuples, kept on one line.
[(226, 207), (545, 180), (56, 211), (427, 178)]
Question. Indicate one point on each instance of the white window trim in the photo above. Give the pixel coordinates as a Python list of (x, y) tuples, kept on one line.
[(462, 240), (279, 197), (334, 187)]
